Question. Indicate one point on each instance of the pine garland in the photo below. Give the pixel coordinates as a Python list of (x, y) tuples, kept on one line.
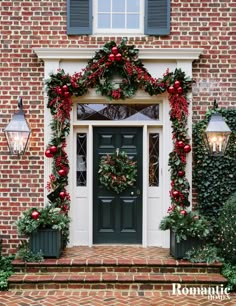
[(123, 61)]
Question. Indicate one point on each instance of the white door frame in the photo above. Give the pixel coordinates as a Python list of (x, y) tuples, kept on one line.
[(87, 127)]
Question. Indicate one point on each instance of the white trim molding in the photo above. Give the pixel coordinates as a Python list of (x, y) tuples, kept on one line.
[(87, 53)]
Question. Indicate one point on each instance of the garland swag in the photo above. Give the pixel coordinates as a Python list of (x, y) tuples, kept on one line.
[(121, 60)]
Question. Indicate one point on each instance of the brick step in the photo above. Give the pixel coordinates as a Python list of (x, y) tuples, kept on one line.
[(113, 281), (129, 266)]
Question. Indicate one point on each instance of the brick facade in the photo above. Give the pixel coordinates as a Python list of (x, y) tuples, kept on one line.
[(25, 25)]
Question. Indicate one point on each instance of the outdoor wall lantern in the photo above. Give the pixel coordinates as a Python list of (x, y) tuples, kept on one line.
[(18, 132), (217, 134)]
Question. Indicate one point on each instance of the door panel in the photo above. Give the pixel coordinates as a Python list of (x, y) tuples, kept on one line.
[(117, 218)]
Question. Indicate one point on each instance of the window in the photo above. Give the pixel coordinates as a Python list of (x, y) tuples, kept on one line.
[(116, 16), (136, 112), (150, 17), (81, 160), (154, 159)]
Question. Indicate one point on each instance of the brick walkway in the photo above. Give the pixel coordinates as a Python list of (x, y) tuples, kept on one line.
[(86, 297), (103, 298)]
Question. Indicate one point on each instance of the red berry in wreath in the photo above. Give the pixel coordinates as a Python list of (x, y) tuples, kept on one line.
[(175, 193), (62, 172), (118, 57), (48, 153), (187, 148), (177, 84), (111, 57), (35, 215), (65, 87), (171, 89), (183, 212), (181, 173), (53, 149), (114, 50)]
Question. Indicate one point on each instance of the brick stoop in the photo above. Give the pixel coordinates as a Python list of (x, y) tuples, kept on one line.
[(104, 273)]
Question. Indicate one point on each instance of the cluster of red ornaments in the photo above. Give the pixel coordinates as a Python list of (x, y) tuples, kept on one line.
[(63, 91), (115, 55), (51, 151), (186, 147), (176, 88)]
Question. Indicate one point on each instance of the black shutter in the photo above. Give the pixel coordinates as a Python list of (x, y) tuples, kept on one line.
[(157, 17), (79, 17)]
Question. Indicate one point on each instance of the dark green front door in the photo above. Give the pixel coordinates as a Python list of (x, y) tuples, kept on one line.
[(117, 218)]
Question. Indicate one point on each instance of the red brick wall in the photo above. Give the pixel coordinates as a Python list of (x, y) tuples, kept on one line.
[(42, 23)]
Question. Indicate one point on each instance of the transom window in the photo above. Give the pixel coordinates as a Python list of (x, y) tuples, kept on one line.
[(136, 112), (118, 15)]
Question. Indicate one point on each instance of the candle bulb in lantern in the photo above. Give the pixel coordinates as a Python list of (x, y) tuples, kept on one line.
[(220, 143), (213, 140)]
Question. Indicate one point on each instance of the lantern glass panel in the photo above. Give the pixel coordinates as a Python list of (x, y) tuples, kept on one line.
[(217, 142), (17, 142)]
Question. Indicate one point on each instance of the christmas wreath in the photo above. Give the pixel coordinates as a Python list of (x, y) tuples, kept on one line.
[(117, 171)]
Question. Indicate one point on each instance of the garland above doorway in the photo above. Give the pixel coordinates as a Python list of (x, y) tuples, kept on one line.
[(121, 61)]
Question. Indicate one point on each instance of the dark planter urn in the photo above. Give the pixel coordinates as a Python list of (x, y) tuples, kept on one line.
[(178, 249), (48, 241)]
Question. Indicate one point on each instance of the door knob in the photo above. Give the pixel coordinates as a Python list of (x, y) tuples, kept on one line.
[(132, 193)]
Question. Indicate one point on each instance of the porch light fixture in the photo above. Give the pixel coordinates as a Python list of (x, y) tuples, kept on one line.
[(18, 131), (217, 134)]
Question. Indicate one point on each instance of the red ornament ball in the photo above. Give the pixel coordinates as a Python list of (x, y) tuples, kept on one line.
[(183, 212), (180, 144), (175, 193), (48, 153), (171, 89), (62, 172), (65, 87), (35, 215), (177, 84), (187, 148), (114, 50), (111, 57), (59, 91), (62, 195), (181, 173), (53, 149), (66, 94), (118, 57), (179, 90)]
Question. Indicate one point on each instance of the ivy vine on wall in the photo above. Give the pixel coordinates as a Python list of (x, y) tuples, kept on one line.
[(122, 60), (214, 177)]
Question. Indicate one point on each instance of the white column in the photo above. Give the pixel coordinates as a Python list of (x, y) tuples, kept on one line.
[(50, 66)]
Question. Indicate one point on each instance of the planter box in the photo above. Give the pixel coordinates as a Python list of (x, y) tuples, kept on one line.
[(48, 241), (178, 250)]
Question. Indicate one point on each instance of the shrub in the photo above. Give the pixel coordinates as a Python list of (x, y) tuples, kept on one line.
[(227, 229), (5, 269), (229, 271), (207, 253)]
